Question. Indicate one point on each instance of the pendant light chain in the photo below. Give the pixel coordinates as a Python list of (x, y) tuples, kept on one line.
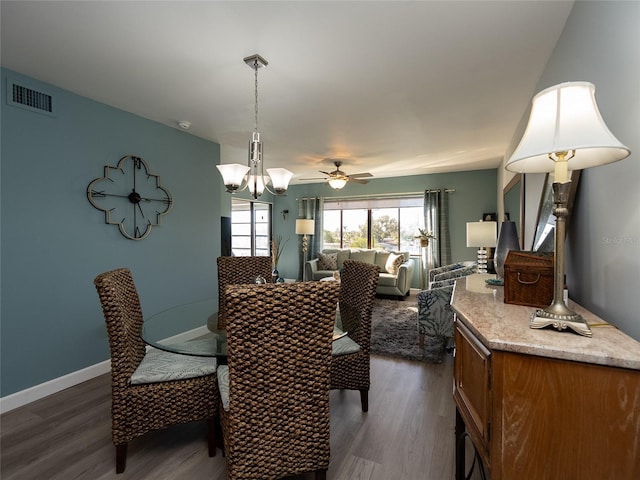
[(255, 67)]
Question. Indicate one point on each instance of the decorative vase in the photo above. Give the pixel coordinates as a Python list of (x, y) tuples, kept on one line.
[(424, 241), (508, 240)]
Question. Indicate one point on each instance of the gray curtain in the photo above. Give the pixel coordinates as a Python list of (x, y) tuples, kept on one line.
[(436, 220), (310, 208)]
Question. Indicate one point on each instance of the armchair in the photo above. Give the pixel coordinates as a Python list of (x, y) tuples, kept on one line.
[(435, 316)]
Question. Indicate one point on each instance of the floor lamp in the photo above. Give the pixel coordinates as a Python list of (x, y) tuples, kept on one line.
[(304, 227), (565, 131)]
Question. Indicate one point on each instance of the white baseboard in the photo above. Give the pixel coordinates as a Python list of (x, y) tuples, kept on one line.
[(37, 392), (28, 395)]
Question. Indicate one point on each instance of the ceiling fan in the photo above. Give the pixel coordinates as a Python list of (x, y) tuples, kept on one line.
[(338, 179)]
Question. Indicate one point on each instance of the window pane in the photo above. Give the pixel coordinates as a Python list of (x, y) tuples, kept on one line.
[(354, 229), (411, 219), (241, 229), (384, 228), (250, 227), (394, 223), (331, 229)]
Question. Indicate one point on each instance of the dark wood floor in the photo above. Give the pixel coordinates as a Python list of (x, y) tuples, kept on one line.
[(407, 434)]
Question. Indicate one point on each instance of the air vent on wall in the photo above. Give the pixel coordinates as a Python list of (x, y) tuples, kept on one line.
[(30, 99)]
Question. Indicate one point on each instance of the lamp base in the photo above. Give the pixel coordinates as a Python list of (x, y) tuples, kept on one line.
[(560, 317)]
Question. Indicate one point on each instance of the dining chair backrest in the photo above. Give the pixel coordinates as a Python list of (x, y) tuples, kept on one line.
[(279, 357), (123, 316), (358, 283), (139, 407), (239, 271)]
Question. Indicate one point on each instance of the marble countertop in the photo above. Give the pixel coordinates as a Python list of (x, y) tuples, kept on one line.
[(502, 326)]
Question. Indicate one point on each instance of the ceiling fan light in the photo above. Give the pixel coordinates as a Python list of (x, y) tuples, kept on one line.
[(337, 183), (280, 178), (232, 175)]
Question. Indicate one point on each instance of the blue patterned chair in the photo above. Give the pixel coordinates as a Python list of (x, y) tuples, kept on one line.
[(435, 316)]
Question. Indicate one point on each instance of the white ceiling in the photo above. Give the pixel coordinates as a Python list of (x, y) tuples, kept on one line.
[(393, 88)]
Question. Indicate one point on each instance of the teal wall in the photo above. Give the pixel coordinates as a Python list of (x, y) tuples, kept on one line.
[(475, 194), (53, 242)]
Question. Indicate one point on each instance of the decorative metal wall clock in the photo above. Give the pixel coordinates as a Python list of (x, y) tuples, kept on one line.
[(131, 197)]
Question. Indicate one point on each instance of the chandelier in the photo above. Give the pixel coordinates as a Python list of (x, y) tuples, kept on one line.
[(238, 177)]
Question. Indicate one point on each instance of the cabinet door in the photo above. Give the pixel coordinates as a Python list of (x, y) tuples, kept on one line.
[(472, 390)]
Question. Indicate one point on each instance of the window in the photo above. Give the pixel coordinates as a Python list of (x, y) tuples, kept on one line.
[(388, 223), (250, 228)]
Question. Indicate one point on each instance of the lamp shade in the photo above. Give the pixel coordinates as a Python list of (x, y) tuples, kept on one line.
[(565, 118), (304, 226), (256, 184), (481, 234), (232, 175), (280, 178)]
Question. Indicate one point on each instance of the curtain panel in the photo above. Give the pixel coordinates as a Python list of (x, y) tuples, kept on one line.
[(436, 220)]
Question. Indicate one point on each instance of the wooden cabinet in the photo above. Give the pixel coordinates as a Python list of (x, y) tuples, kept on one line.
[(472, 392), (531, 415)]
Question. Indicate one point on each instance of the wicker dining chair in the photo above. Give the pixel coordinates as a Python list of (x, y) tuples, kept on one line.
[(350, 367), (155, 389), (275, 389), (238, 271)]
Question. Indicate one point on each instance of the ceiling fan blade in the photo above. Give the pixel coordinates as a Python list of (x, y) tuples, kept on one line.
[(357, 180), (327, 173), (356, 175), (315, 178)]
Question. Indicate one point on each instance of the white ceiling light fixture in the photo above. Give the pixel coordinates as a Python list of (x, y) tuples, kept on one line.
[(237, 177), (337, 183)]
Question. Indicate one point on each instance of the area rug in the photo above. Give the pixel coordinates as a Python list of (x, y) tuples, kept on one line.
[(394, 332)]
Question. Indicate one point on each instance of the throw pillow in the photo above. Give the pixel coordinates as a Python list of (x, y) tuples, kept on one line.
[(327, 261), (393, 263)]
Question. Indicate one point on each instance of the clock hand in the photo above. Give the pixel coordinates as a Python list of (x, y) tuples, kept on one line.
[(165, 200), (141, 212), (101, 193)]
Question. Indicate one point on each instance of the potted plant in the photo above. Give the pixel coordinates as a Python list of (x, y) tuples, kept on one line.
[(424, 237)]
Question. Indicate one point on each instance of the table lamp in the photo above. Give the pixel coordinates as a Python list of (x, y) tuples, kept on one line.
[(481, 235), (565, 126)]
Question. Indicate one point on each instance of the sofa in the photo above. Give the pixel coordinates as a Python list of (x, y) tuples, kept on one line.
[(435, 316), (396, 268)]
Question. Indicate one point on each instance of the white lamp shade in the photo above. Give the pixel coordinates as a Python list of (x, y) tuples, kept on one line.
[(481, 234), (280, 178), (255, 182), (565, 117), (304, 226), (337, 183), (232, 174)]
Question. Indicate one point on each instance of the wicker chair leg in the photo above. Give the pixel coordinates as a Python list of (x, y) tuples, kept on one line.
[(364, 399), (421, 340), (121, 457), (321, 475), (211, 436)]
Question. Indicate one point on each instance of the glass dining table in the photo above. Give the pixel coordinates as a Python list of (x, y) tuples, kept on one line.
[(171, 329), (179, 330)]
